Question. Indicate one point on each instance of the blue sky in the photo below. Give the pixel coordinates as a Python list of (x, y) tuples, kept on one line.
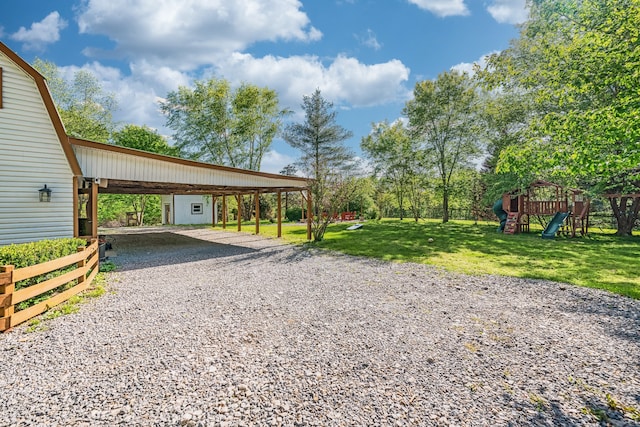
[(364, 55)]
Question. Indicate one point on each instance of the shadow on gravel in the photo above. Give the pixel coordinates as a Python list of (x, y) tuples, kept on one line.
[(143, 250), (276, 257), (544, 413), (617, 315)]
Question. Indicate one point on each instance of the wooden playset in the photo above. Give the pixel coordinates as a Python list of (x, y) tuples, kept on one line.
[(569, 208)]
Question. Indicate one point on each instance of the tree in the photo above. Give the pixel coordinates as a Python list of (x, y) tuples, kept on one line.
[(85, 109), (361, 201), (216, 124), (325, 159), (577, 60), (504, 118), (145, 139), (442, 115), (395, 158), (384, 200)]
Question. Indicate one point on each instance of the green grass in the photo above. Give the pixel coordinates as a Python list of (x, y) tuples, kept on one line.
[(600, 260)]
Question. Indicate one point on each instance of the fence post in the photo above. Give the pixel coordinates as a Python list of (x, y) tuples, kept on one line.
[(97, 242), (81, 264), (7, 286)]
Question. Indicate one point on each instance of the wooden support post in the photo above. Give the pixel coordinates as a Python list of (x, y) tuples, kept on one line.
[(257, 213), (7, 287), (173, 208), (94, 210), (239, 198), (214, 211), (309, 207), (82, 263), (279, 214), (224, 212), (76, 221), (303, 207)]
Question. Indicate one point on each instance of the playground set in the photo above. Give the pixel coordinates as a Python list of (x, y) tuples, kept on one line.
[(569, 210)]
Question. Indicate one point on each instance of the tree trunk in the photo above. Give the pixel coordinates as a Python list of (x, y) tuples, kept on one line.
[(626, 216), (445, 206), (247, 208)]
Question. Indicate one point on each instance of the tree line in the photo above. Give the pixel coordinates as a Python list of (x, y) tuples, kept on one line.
[(560, 103)]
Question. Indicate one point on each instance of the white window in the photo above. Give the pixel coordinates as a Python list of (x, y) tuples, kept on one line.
[(196, 208)]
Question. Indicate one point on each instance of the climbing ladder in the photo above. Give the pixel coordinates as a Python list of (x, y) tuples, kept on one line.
[(511, 227)]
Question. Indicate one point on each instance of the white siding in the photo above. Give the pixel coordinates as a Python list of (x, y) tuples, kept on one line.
[(108, 164), (182, 209), (30, 157)]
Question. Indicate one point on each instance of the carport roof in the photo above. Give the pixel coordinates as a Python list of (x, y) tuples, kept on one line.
[(122, 170)]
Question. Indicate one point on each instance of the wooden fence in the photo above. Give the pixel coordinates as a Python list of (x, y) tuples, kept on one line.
[(87, 261)]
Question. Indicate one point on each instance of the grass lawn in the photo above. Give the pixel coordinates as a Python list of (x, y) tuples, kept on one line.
[(599, 261)]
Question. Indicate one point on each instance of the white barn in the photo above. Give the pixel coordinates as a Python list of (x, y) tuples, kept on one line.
[(32, 157), (37, 152)]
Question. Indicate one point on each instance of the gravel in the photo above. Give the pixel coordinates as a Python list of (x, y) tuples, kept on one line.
[(213, 328)]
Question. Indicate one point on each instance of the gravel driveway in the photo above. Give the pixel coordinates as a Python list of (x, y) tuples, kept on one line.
[(214, 328)]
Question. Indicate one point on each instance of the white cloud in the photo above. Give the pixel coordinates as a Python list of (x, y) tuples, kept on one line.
[(468, 66), (189, 33), (369, 39), (274, 162), (137, 94), (344, 81), (442, 7), (41, 33), (509, 11)]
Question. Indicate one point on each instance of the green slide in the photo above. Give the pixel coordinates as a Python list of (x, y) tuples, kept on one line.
[(552, 227), (500, 213)]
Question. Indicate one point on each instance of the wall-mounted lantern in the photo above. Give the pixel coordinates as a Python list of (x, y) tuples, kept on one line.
[(45, 194)]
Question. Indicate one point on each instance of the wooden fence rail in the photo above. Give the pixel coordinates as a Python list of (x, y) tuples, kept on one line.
[(87, 262)]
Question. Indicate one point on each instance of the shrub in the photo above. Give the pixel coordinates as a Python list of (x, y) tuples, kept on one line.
[(294, 214), (28, 254)]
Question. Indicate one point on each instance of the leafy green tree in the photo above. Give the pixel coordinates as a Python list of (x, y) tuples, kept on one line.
[(384, 200), (325, 159), (443, 117), (361, 201), (577, 60), (504, 118), (85, 109), (214, 123), (145, 139), (395, 157)]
